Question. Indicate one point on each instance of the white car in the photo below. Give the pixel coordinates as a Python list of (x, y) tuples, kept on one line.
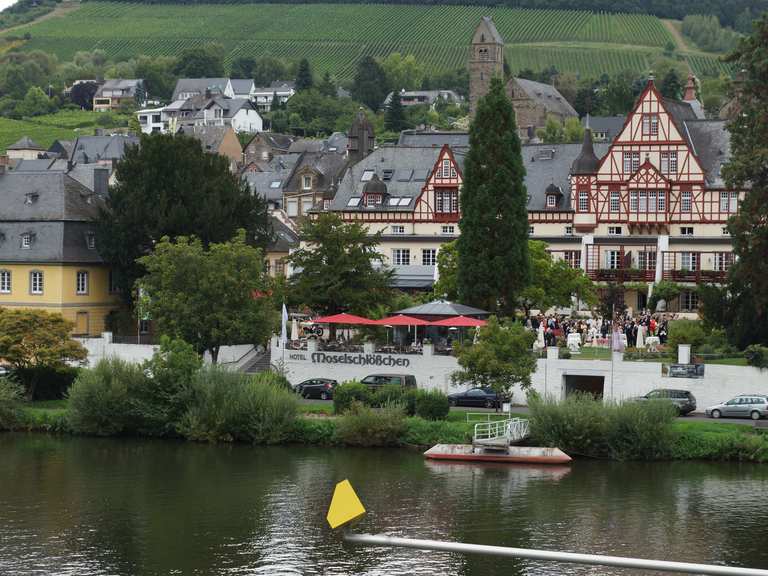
[(753, 406)]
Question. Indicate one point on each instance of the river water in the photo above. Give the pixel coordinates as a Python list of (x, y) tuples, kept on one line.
[(133, 507)]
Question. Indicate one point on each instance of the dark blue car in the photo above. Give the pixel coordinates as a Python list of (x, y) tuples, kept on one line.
[(480, 397)]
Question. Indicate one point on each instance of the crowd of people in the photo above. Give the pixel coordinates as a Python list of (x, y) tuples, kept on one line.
[(599, 331)]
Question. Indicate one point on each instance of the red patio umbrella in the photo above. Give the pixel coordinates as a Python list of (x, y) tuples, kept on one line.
[(459, 321), (350, 319), (401, 320)]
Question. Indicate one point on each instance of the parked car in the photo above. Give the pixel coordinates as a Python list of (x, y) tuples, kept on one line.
[(684, 401), (753, 406), (321, 388), (375, 381), (485, 397)]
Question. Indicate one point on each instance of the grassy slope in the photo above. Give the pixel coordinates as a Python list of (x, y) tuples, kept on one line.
[(580, 42)]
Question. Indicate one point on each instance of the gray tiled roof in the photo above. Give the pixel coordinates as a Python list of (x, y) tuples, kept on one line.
[(25, 143), (53, 242), (284, 237), (129, 84), (56, 196), (443, 308), (33, 165), (327, 165), (611, 125), (413, 276), (435, 139), (261, 183), (711, 143), (241, 86), (198, 85), (229, 106), (488, 21), (547, 96), (101, 148), (210, 137)]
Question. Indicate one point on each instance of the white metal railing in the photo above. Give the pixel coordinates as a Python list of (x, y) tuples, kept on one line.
[(486, 416), (513, 429)]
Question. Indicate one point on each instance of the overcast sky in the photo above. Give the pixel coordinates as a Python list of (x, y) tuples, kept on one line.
[(5, 3)]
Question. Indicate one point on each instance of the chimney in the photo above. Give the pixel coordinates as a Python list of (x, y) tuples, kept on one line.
[(690, 89), (101, 181)]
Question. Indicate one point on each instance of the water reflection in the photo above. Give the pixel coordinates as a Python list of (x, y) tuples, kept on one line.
[(126, 507)]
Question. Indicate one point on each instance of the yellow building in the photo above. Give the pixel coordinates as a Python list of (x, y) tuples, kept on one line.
[(48, 254)]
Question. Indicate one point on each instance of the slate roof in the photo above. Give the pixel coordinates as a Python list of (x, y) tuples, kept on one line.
[(711, 143), (326, 165), (284, 238), (275, 140), (45, 196), (587, 161), (413, 276), (229, 106), (25, 143), (276, 86), (305, 145), (488, 21), (268, 185), (547, 96), (198, 85), (210, 137), (411, 166), (53, 242), (131, 85), (241, 86), (611, 125), (61, 148), (421, 138), (443, 308), (33, 165), (430, 96), (87, 149)]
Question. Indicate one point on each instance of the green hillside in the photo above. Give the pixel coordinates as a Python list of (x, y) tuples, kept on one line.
[(335, 36)]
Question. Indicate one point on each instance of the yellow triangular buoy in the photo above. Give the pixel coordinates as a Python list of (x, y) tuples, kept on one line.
[(345, 505)]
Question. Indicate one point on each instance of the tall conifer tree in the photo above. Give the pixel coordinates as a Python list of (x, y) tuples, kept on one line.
[(493, 259), (394, 117), (304, 79)]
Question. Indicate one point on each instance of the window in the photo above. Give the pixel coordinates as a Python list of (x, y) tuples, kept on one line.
[(551, 200), (643, 206), (398, 229), (662, 201), (686, 231), (373, 199), (650, 125), (90, 241), (367, 175), (279, 267), (569, 230), (5, 281), (651, 200), (82, 282), (669, 162), (664, 164), (646, 260), (734, 202), (448, 170), (583, 201), (685, 201), (428, 256), (143, 326), (614, 230), (401, 256), (612, 258), (615, 201), (724, 230), (631, 161), (386, 175), (355, 201), (450, 229), (446, 201), (633, 201), (689, 261), (35, 282), (292, 207), (26, 241), (306, 205), (723, 261), (689, 300), (274, 184), (573, 258), (306, 182), (530, 230)]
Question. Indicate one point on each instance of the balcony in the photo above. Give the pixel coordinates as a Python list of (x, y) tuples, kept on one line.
[(585, 220), (619, 263), (696, 267)]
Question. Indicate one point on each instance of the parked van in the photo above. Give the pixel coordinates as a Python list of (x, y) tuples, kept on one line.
[(377, 380)]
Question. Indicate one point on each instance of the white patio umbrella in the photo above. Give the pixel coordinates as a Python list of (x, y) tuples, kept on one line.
[(294, 329)]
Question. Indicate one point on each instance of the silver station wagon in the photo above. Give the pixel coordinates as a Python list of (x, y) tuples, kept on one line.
[(753, 406)]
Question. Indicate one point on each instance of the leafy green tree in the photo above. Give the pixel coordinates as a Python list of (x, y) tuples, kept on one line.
[(35, 103), (494, 265), (206, 296), (448, 269), (552, 133), (403, 73), (554, 282), (327, 87), (242, 67), (169, 186), (34, 340), (573, 131), (319, 114), (500, 359), (158, 75), (82, 94), (671, 86), (394, 116), (203, 62), (338, 268), (664, 290), (612, 301), (268, 69), (748, 170), (304, 79), (370, 85)]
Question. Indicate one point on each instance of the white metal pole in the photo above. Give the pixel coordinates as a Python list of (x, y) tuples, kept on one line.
[(554, 556)]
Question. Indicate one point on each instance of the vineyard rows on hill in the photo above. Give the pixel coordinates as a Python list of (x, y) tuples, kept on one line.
[(335, 36)]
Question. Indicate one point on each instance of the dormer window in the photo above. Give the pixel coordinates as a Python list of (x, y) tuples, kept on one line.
[(26, 240), (90, 241), (551, 200), (306, 182), (373, 199), (31, 198)]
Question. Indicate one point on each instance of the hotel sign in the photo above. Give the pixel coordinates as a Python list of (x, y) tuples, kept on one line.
[(355, 359)]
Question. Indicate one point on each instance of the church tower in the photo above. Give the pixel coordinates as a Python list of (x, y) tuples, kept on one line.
[(485, 61)]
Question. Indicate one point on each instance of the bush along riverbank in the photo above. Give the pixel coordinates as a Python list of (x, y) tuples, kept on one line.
[(174, 396)]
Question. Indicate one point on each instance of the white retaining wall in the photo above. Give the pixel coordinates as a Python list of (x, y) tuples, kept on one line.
[(620, 379)]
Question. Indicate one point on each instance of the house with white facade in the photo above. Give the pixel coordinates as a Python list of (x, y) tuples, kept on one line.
[(151, 120), (190, 87), (244, 89), (281, 89), (239, 113)]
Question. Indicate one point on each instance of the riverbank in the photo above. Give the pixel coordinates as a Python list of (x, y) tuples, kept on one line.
[(316, 425)]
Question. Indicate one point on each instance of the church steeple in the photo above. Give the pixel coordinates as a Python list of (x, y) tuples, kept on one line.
[(360, 139), (486, 60)]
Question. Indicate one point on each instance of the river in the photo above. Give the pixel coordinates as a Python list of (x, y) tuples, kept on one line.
[(81, 506)]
